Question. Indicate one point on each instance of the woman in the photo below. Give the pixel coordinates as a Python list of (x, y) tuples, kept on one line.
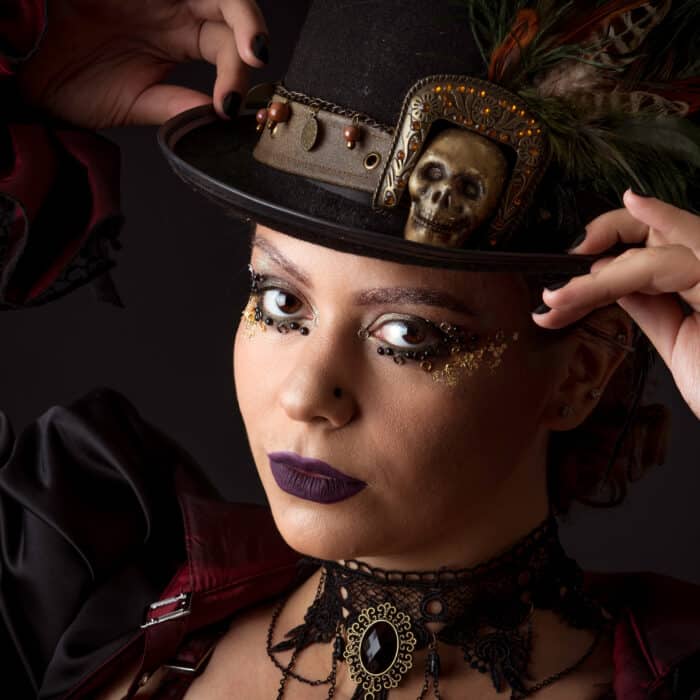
[(358, 411)]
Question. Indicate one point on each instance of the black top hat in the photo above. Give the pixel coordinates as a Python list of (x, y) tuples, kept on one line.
[(466, 134)]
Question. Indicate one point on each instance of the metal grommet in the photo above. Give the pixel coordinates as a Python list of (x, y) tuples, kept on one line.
[(372, 160)]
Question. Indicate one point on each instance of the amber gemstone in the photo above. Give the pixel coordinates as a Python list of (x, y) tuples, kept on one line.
[(279, 112), (380, 645)]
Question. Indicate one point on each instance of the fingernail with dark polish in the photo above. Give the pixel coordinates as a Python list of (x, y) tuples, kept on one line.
[(557, 285), (578, 240), (232, 103), (260, 49), (541, 309), (638, 192)]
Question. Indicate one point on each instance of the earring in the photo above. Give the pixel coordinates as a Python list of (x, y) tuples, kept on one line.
[(595, 394), (566, 411)]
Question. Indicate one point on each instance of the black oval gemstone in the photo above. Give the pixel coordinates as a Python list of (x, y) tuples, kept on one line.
[(380, 645)]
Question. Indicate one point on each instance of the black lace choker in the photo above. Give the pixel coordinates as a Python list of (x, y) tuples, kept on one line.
[(377, 619)]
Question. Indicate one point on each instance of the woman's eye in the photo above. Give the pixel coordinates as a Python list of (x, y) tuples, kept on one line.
[(280, 303), (405, 334)]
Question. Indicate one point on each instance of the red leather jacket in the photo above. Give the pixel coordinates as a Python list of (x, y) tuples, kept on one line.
[(101, 515), (59, 186)]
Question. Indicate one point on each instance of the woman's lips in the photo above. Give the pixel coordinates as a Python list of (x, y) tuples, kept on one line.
[(312, 479)]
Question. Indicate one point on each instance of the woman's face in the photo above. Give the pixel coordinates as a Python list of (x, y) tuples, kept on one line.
[(427, 459)]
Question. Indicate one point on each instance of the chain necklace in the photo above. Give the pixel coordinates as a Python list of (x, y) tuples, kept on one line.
[(377, 619)]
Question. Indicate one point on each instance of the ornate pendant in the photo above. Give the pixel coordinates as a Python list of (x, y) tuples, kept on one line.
[(309, 134), (379, 649)]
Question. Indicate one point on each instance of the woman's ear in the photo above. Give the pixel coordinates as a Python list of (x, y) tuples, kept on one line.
[(592, 353)]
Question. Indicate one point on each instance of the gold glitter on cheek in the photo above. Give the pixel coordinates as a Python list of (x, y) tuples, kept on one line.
[(248, 317), (465, 364)]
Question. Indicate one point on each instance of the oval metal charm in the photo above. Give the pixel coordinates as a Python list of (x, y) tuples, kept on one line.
[(309, 134)]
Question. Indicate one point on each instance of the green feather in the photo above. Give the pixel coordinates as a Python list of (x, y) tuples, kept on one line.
[(657, 154), (611, 151)]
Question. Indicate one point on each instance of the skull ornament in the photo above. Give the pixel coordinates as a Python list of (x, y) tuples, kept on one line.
[(455, 186)]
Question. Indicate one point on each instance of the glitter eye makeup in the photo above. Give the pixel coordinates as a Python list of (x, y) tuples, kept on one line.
[(272, 305), (417, 339), (489, 354), (423, 341), (449, 353)]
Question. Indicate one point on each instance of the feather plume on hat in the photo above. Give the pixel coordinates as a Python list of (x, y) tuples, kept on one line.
[(617, 82)]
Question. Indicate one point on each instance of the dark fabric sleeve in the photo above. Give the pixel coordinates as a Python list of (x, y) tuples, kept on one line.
[(59, 185), (90, 534)]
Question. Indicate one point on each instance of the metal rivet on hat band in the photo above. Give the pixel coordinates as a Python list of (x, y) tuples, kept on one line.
[(372, 160)]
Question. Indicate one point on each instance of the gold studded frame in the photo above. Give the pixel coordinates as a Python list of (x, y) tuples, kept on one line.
[(372, 684), (484, 108)]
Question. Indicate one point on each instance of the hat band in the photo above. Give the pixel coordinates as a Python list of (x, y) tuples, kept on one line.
[(311, 143)]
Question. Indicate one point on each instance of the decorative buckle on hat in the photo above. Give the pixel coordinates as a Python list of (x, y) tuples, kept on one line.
[(170, 609), (479, 106)]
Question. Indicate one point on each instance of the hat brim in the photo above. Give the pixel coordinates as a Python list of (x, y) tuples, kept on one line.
[(215, 157)]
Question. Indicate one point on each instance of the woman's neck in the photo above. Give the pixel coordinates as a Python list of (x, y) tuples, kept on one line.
[(485, 530)]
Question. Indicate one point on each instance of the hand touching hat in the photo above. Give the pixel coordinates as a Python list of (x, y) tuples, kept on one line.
[(646, 282), (103, 64)]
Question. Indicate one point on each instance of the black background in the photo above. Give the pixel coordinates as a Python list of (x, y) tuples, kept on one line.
[(182, 275)]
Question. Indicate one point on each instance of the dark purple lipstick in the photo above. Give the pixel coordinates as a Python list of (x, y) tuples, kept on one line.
[(312, 479)]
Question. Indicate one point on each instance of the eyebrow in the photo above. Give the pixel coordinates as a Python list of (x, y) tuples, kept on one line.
[(284, 262), (376, 296), (412, 295)]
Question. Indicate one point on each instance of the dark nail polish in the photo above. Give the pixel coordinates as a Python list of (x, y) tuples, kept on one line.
[(638, 192), (541, 309), (580, 239), (232, 103), (260, 49), (557, 285)]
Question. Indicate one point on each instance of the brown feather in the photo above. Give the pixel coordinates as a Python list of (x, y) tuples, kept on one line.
[(622, 25), (571, 77), (684, 91), (507, 56)]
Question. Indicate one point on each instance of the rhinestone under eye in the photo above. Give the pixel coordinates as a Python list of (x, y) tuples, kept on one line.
[(452, 341), (256, 290)]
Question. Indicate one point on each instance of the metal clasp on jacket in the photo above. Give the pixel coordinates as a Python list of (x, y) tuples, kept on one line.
[(182, 601), (194, 668)]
